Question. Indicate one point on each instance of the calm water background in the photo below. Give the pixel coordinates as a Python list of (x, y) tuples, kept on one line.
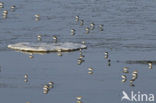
[(129, 35)]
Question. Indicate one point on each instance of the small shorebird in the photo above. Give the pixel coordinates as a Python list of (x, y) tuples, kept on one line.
[(51, 84), (79, 97), (83, 42), (72, 31), (26, 76), (90, 69), (1, 5), (106, 55), (76, 18), (150, 65), (87, 30), (13, 8), (45, 89), (54, 38), (92, 26), (101, 27), (37, 17), (125, 70), (81, 22), (123, 76), (5, 12), (39, 37)]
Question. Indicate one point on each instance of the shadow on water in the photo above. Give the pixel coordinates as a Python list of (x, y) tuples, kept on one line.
[(45, 52), (140, 62)]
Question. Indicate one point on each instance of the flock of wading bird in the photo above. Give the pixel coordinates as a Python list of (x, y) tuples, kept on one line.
[(80, 60), (134, 74), (5, 12), (73, 32)]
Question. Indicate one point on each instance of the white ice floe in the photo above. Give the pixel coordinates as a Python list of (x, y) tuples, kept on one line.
[(46, 47)]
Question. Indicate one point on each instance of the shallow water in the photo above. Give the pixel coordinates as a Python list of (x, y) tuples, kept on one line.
[(129, 35)]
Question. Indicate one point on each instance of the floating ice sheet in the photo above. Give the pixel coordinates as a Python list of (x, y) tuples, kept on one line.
[(46, 47)]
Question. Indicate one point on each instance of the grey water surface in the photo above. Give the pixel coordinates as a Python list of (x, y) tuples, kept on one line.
[(128, 36)]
